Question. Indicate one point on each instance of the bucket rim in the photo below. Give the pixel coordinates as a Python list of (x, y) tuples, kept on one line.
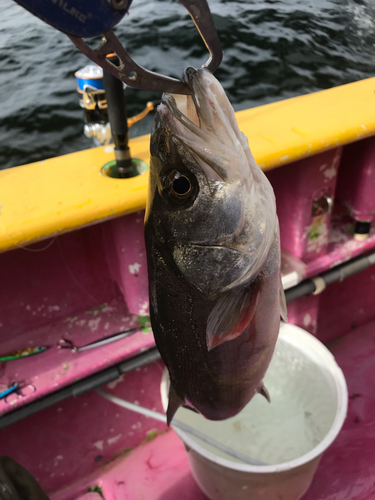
[(307, 343)]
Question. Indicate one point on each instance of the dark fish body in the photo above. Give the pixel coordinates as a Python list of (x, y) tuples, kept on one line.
[(213, 253)]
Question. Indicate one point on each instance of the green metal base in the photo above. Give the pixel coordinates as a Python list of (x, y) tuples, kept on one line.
[(110, 168)]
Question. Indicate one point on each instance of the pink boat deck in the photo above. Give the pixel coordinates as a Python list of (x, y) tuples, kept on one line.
[(157, 468), (92, 283)]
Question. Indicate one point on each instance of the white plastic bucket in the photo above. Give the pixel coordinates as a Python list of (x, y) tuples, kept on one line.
[(308, 407)]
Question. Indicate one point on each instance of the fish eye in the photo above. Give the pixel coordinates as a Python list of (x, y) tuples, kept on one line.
[(179, 188), (181, 185)]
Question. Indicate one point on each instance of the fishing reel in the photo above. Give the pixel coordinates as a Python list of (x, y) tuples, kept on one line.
[(94, 103), (103, 101), (82, 19)]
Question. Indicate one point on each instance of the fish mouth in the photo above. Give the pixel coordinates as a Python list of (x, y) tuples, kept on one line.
[(180, 112), (184, 106), (189, 110), (205, 124)]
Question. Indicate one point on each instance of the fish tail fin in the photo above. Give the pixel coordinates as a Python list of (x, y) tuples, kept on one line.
[(263, 391), (174, 404)]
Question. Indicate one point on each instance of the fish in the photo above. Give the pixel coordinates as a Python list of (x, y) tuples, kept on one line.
[(16, 483), (213, 253)]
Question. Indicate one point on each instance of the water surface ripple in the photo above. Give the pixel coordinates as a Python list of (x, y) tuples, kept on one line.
[(273, 50)]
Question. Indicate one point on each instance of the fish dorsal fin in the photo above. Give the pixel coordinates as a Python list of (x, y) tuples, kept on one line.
[(174, 404), (283, 307), (231, 315)]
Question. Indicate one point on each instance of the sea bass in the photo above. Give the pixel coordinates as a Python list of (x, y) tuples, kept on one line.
[(213, 253)]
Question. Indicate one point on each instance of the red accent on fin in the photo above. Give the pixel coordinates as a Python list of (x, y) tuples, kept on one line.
[(231, 315)]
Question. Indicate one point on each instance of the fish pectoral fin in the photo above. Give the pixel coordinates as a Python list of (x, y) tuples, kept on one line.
[(174, 404), (283, 306), (231, 314), (263, 391)]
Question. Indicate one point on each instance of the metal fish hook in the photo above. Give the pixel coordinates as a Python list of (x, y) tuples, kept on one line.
[(134, 75), (68, 344)]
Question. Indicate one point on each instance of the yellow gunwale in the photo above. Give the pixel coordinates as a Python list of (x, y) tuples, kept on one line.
[(50, 197)]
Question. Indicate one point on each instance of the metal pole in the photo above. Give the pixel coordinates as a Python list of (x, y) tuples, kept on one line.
[(118, 120)]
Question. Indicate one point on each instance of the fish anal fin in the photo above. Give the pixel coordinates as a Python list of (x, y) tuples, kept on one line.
[(283, 306), (263, 391), (174, 404), (188, 407), (231, 315)]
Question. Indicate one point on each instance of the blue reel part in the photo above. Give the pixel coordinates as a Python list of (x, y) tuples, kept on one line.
[(81, 18), (91, 76)]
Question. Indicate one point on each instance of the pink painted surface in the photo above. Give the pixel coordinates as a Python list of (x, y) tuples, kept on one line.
[(126, 254), (63, 288), (341, 244), (347, 470), (90, 496), (85, 286), (356, 185), (92, 283), (304, 312), (57, 368), (159, 470), (296, 186), (76, 437), (337, 309), (347, 306)]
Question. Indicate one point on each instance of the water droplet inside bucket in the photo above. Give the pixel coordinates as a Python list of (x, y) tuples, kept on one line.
[(302, 410)]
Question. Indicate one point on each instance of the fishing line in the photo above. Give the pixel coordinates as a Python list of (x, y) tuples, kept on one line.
[(72, 274), (20, 247), (37, 249), (179, 425)]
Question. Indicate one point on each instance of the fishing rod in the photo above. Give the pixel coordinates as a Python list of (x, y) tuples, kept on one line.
[(318, 284)]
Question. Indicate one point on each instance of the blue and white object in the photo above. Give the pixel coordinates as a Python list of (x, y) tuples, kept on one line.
[(81, 18), (90, 76)]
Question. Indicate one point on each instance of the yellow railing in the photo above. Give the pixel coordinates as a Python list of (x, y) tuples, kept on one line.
[(51, 197)]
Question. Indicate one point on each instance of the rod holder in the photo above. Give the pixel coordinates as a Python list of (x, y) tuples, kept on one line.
[(118, 120)]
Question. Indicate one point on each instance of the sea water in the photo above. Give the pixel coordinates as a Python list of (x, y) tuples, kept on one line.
[(302, 410), (273, 50)]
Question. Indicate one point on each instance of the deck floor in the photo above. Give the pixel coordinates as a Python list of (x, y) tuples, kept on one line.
[(159, 470)]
